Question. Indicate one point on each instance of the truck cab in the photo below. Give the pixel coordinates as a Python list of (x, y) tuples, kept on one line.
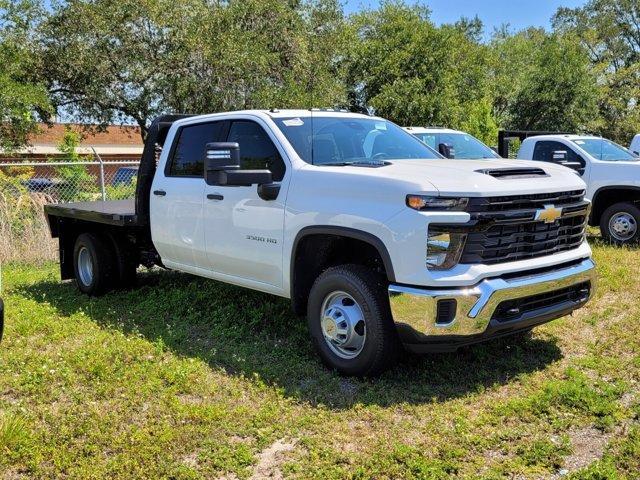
[(610, 171), (381, 242)]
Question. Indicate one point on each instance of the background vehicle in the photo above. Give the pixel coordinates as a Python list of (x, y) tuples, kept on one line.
[(372, 234), (452, 143), (612, 175), (635, 145), (124, 175)]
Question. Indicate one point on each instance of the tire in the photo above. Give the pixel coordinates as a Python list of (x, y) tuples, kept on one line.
[(94, 264), (367, 346), (620, 224)]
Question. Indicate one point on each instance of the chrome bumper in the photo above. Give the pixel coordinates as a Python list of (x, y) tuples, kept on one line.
[(415, 309)]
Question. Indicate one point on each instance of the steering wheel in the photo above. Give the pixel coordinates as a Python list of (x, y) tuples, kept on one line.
[(380, 156)]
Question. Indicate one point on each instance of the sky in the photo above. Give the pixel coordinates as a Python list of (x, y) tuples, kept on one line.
[(518, 14)]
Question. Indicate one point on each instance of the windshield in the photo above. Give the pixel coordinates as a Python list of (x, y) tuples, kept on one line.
[(349, 140), (602, 149), (463, 145)]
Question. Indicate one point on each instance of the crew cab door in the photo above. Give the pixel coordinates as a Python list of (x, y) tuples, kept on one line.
[(177, 196), (243, 232)]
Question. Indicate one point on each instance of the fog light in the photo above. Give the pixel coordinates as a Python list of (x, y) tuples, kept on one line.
[(443, 248)]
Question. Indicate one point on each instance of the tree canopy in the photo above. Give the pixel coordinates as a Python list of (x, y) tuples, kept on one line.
[(101, 61), (21, 100)]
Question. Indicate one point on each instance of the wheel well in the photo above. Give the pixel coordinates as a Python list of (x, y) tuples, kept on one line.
[(603, 199), (69, 231), (314, 253)]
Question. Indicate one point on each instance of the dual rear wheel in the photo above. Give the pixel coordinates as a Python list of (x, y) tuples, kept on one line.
[(102, 263)]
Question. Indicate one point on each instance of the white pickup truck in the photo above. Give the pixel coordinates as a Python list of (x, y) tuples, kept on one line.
[(612, 175), (373, 235), (452, 143)]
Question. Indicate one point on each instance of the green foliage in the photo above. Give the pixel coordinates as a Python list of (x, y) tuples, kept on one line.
[(415, 73), (21, 99), (121, 191), (75, 182), (134, 60), (609, 30), (13, 432), (185, 377), (130, 60), (542, 82)]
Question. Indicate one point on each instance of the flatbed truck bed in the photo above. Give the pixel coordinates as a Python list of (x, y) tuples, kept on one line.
[(115, 212)]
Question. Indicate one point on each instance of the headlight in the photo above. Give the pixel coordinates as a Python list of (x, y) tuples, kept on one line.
[(426, 202), (443, 248)]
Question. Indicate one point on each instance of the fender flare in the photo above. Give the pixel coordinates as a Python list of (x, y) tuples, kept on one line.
[(594, 198), (342, 232)]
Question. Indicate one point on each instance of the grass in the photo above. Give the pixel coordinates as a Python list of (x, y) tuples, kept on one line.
[(186, 378)]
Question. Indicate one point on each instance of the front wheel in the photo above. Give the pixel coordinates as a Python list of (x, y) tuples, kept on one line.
[(350, 321), (619, 223)]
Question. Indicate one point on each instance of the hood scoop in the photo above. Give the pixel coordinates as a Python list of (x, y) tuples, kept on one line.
[(513, 173)]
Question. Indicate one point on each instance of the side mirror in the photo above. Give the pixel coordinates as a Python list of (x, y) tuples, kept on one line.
[(560, 156), (446, 150), (222, 167)]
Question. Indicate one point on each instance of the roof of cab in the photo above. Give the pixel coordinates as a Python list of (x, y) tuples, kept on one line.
[(431, 130), (568, 136), (274, 113)]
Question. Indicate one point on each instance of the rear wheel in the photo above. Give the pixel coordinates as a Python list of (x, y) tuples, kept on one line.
[(620, 223), (350, 321), (94, 264)]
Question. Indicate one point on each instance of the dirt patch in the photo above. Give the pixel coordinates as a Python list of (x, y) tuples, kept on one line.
[(588, 446), (271, 458)]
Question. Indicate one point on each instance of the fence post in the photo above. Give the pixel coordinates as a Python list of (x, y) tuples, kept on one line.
[(103, 191)]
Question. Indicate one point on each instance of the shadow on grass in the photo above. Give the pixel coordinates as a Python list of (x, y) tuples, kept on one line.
[(248, 333)]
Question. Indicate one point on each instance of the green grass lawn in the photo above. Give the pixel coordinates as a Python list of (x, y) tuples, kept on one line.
[(189, 378)]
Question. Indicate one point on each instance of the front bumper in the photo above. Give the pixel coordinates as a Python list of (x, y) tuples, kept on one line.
[(444, 319)]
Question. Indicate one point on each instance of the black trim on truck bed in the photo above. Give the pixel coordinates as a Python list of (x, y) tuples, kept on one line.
[(115, 212)]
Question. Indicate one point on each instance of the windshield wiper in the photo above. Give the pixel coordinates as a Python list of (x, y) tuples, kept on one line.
[(358, 163)]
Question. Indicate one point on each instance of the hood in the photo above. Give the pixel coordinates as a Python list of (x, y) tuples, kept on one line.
[(458, 177), (482, 177)]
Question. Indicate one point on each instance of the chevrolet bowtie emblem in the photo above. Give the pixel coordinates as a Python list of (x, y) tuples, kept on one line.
[(548, 214)]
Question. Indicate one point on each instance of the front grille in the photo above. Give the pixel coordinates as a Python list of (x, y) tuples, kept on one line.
[(510, 310), (504, 229), (518, 202)]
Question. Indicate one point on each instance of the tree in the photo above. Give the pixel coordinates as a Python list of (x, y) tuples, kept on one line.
[(135, 59), (542, 81), (22, 102), (610, 32), (415, 73)]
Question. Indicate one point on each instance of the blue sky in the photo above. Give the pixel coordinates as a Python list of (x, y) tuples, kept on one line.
[(517, 13)]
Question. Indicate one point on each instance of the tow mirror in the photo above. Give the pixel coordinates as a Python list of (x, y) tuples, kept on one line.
[(222, 167), (446, 150), (560, 156)]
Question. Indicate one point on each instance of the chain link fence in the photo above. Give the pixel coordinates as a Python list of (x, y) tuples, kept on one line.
[(25, 187)]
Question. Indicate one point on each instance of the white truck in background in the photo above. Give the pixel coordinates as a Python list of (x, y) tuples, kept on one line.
[(375, 237), (453, 143), (612, 175)]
